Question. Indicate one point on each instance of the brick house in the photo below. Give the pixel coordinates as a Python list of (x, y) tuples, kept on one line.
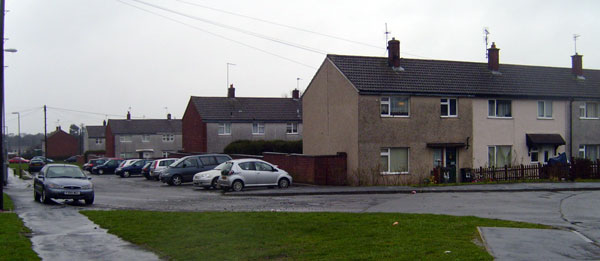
[(398, 118), (62, 145), (211, 123)]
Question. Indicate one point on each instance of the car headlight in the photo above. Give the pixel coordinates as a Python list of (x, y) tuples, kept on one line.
[(52, 185), (204, 175), (89, 186)]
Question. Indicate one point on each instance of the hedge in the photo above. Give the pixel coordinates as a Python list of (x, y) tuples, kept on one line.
[(257, 147)]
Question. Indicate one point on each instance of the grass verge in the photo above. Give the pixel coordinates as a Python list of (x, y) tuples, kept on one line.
[(14, 243), (302, 236)]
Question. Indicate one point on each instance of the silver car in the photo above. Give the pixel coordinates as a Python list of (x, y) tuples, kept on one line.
[(158, 166), (62, 181), (241, 173), (209, 178)]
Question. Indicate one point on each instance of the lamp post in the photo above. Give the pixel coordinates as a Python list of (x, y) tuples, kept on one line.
[(19, 131)]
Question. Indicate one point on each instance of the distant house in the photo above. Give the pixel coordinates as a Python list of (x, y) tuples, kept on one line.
[(94, 138), (61, 145), (211, 123), (398, 118), (151, 138)]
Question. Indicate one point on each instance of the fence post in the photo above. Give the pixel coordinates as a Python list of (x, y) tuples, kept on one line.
[(539, 171), (506, 173), (522, 172)]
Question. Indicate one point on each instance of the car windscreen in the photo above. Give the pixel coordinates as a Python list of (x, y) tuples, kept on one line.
[(221, 166), (174, 164), (64, 172), (227, 166)]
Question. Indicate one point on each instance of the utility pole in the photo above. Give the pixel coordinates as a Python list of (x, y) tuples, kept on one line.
[(45, 134), (2, 159)]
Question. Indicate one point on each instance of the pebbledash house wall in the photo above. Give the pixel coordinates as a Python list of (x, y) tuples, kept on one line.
[(585, 131), (489, 131), (243, 131), (155, 143), (423, 125), (330, 117)]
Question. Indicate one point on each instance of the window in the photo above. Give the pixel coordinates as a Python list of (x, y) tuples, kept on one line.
[(545, 109), (221, 159), (247, 166), (145, 138), (448, 107), (292, 128), (99, 141), (208, 160), (258, 128), (261, 166), (499, 156), (534, 155), (224, 128), (591, 152), (123, 155), (437, 158), (165, 154), (499, 108), (581, 153), (168, 137), (125, 138), (589, 110), (395, 106), (394, 160)]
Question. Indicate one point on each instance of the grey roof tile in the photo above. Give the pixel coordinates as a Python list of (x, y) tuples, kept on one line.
[(248, 109), (149, 126), (96, 131)]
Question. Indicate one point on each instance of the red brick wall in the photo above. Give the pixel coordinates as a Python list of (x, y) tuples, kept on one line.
[(318, 170), (62, 145), (193, 130), (110, 142)]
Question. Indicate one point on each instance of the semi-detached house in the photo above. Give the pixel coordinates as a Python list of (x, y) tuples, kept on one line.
[(400, 118)]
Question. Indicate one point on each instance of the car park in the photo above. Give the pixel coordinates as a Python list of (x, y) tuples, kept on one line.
[(241, 173), (36, 165), (158, 166), (131, 167), (18, 160), (62, 181), (107, 167), (92, 163), (184, 169)]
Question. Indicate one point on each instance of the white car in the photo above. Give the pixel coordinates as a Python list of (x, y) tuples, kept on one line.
[(240, 173), (208, 179)]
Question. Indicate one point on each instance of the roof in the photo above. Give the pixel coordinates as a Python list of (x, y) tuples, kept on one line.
[(542, 139), (248, 109), (145, 126), (96, 131), (434, 77)]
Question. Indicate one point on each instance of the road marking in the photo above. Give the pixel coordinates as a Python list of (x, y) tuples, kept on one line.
[(586, 239)]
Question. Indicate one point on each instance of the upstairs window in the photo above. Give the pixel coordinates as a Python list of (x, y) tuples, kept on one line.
[(168, 137), (500, 108), (258, 128), (545, 109), (589, 110), (99, 141), (145, 138), (395, 106), (448, 107), (224, 128), (292, 128), (125, 138)]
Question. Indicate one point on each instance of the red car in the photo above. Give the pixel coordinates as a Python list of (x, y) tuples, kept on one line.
[(18, 160)]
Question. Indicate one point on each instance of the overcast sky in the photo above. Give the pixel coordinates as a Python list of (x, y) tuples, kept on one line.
[(105, 56)]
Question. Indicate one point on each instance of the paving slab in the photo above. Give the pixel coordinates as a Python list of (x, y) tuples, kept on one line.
[(537, 244)]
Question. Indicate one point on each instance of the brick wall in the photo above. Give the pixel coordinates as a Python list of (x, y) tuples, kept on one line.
[(110, 142), (311, 169), (193, 130), (62, 145)]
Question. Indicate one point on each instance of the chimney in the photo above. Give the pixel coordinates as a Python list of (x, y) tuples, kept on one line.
[(295, 94), (394, 53), (168, 116), (494, 58), (104, 123), (577, 65), (128, 116), (57, 128), (231, 92)]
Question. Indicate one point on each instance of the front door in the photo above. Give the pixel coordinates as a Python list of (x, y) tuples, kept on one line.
[(451, 156), (547, 152)]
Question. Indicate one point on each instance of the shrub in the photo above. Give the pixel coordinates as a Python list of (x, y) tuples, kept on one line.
[(257, 147)]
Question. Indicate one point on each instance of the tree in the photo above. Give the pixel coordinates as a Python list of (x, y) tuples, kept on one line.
[(74, 130)]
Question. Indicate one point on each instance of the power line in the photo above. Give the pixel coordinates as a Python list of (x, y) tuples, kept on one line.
[(217, 35), (86, 112)]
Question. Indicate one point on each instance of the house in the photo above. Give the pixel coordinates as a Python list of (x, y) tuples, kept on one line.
[(398, 118), (94, 138), (145, 138), (211, 123), (61, 145)]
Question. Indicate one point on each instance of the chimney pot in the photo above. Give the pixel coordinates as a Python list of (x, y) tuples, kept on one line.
[(394, 53), (296, 94), (231, 92), (57, 128), (128, 116), (168, 116), (577, 65), (104, 123), (494, 58)]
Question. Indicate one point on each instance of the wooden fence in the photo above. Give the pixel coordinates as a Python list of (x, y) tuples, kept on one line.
[(577, 169)]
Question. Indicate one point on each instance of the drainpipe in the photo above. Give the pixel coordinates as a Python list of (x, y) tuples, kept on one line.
[(571, 128)]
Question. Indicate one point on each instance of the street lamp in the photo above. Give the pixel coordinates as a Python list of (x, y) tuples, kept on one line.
[(19, 131)]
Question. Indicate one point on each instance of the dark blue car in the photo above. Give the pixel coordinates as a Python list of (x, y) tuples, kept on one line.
[(134, 168), (108, 167)]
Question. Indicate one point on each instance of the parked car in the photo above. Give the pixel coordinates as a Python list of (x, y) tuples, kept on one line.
[(18, 160), (62, 181), (209, 179), (72, 159), (36, 165), (146, 169), (92, 163), (158, 166), (107, 167), (47, 160), (241, 173), (131, 167), (183, 170)]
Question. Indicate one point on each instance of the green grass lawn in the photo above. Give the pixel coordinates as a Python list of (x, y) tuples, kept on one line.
[(14, 245), (300, 236)]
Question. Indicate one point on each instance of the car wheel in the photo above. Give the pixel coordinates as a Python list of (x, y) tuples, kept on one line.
[(157, 178), (45, 198), (100, 171), (89, 201), (237, 186), (36, 196), (126, 174), (214, 183), (147, 176), (283, 183), (176, 180)]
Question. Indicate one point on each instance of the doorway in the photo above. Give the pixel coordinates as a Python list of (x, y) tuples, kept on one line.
[(446, 158)]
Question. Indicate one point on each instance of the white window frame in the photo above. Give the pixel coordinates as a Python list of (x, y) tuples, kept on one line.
[(495, 114), (168, 137), (257, 130), (145, 138), (123, 155), (165, 154), (496, 155), (583, 111), (291, 128), (224, 128), (124, 138), (99, 141), (584, 148), (448, 103), (385, 100), (544, 113), (387, 154)]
